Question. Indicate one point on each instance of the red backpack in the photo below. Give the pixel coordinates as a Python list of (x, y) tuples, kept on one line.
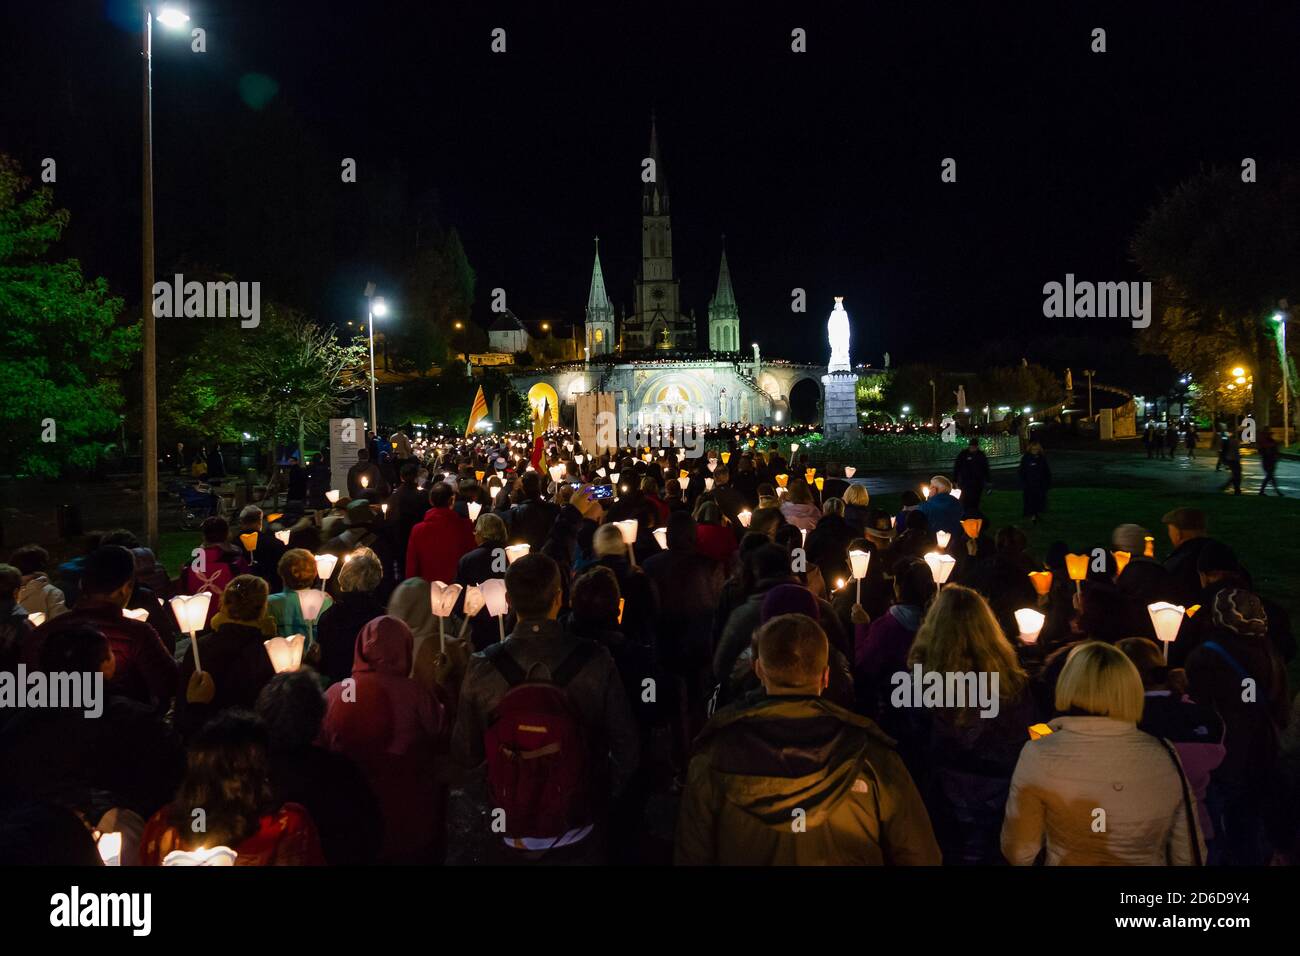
[(537, 759)]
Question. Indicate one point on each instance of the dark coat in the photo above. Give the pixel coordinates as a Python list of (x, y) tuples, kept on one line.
[(1035, 480), (337, 631)]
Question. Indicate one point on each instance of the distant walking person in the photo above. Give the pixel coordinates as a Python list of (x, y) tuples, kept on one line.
[(1171, 440), (1149, 438), (1193, 435), (1035, 480), (971, 471), (1269, 452), (1232, 459)]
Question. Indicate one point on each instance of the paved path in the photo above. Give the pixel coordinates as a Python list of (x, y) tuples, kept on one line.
[(1122, 468)]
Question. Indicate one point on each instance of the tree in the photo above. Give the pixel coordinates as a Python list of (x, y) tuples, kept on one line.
[(438, 292), (1221, 253), (62, 346)]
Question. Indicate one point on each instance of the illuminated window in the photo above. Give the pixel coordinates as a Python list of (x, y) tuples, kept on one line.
[(600, 335)]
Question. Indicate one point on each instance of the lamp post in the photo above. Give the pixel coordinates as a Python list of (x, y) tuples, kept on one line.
[(171, 18), (1089, 373), (1281, 317), (375, 306)]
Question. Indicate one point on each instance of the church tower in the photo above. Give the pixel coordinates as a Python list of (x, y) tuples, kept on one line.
[(600, 313), (657, 305), (724, 317)]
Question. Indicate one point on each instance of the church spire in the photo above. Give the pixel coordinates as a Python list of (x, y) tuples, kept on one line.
[(724, 297), (724, 316), (598, 298), (654, 195)]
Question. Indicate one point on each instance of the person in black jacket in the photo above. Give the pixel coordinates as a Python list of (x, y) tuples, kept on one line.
[(971, 473), (357, 605), (1035, 481), (531, 517), (326, 782)]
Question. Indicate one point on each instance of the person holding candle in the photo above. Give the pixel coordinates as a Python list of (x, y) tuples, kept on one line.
[(827, 545), (590, 682), (358, 603), (365, 480), (798, 508), (297, 570), (37, 594), (858, 799), (228, 778), (881, 646), (1195, 730), (440, 540), (641, 605), (942, 511), (219, 564), (961, 760), (265, 554), (392, 727), (1096, 765), (233, 657), (1238, 655), (145, 670), (530, 518)]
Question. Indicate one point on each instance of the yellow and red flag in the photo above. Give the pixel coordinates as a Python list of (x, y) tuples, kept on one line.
[(478, 411)]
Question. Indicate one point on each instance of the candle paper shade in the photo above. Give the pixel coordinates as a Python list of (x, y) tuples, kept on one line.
[(283, 537), (713, 465), (516, 551), (613, 476), (474, 600), (820, 483), (956, 493), (332, 496), (249, 541), (1077, 566), (726, 457), (285, 652), (1121, 561), (443, 597), (191, 611), (473, 507), (743, 517), (782, 480), (859, 561), (1149, 547), (310, 600), (708, 484), (110, 848), (494, 596), (943, 537), (557, 473), (36, 618), (1042, 581), (849, 471), (661, 535), (628, 529), (325, 564), (809, 475), (941, 565), (972, 526), (1166, 618), (135, 613), (216, 856), (1030, 623)]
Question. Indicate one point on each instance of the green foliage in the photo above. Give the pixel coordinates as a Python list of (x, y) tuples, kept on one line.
[(438, 292), (62, 346)]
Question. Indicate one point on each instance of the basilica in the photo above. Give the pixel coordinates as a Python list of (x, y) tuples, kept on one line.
[(650, 360)]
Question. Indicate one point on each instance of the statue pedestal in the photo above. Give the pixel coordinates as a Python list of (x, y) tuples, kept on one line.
[(840, 410)]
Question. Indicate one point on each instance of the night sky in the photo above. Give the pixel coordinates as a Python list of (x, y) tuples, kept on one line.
[(821, 168)]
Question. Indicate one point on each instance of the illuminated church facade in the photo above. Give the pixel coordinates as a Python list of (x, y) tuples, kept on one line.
[(650, 360)]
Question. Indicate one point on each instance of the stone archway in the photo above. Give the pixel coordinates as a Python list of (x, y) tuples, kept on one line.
[(805, 396)]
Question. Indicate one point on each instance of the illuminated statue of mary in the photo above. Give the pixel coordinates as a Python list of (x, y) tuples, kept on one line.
[(837, 330)]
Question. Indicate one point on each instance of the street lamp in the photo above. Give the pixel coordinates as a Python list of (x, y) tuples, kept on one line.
[(171, 18), (375, 306), (1089, 372), (1281, 317)]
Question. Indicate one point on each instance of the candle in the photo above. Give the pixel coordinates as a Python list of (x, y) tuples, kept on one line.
[(1121, 561), (743, 517), (516, 551), (941, 566), (1166, 618), (943, 537), (332, 496), (285, 652), (1030, 623), (325, 564), (661, 535)]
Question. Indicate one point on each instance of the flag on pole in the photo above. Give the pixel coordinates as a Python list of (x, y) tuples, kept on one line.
[(477, 412), (540, 421)]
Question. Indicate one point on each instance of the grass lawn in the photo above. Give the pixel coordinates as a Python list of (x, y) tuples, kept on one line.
[(1256, 528)]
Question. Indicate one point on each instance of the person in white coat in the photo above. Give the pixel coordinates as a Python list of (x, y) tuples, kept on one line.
[(1097, 791)]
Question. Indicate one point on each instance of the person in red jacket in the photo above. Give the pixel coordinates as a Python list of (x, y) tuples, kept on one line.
[(437, 543), (145, 670)]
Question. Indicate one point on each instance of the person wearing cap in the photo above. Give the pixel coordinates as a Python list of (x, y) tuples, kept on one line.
[(1237, 672), (1188, 533)]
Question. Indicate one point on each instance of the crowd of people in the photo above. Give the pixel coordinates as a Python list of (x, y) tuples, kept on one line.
[(736, 635)]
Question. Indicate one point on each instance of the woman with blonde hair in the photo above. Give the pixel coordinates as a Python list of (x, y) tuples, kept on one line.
[(857, 501), (1095, 790), (962, 757), (359, 578)]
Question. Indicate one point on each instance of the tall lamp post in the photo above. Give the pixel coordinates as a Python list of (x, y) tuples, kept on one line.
[(173, 19), (1281, 317), (1089, 372), (375, 306)]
